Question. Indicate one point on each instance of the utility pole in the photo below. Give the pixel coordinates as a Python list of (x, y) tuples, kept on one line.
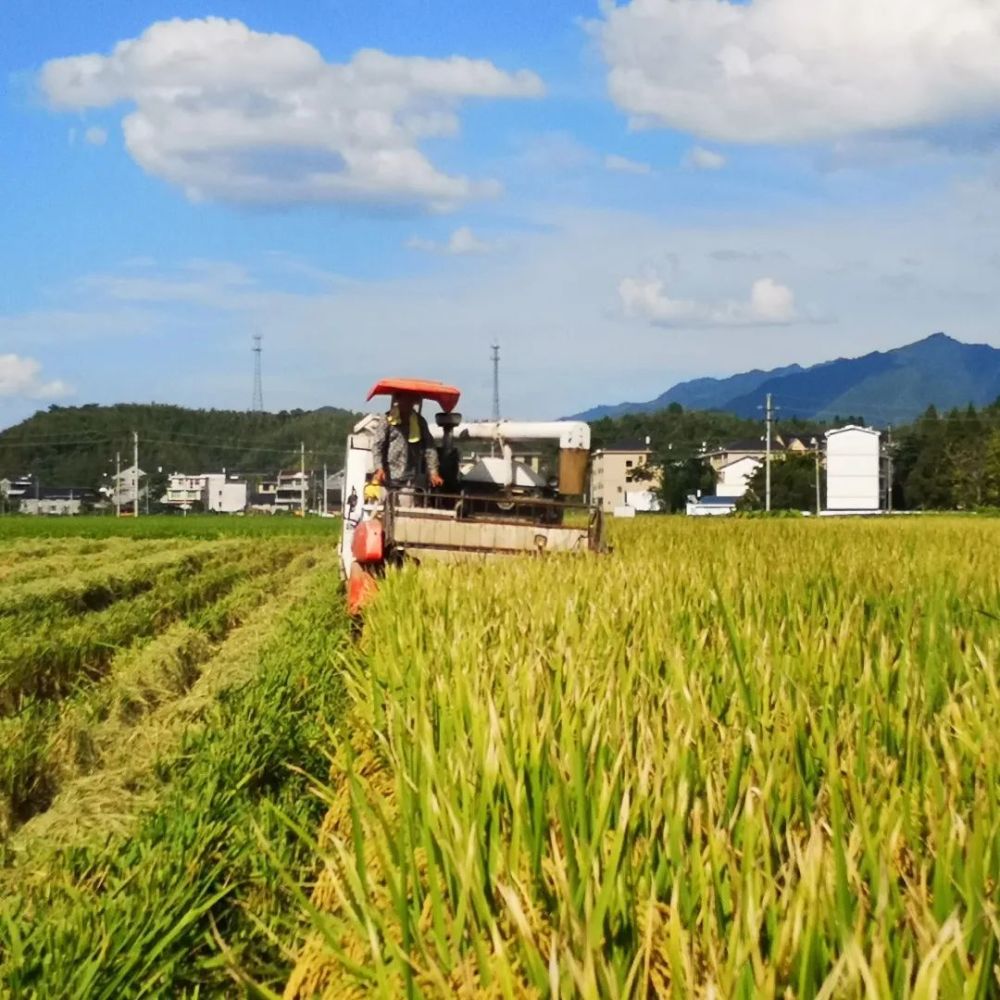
[(118, 484), (135, 473), (888, 470), (815, 443), (302, 478), (769, 417), (324, 490)]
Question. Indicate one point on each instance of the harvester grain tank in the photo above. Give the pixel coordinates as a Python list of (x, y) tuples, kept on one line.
[(493, 507)]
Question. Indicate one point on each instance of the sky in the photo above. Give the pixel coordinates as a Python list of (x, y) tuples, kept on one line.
[(622, 195)]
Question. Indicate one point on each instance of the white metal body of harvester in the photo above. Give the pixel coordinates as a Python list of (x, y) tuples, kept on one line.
[(497, 506)]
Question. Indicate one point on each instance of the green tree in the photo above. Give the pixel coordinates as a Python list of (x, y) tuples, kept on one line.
[(924, 464), (991, 478), (967, 458), (682, 477), (793, 484)]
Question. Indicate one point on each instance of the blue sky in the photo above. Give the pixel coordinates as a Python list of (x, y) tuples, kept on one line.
[(622, 195)]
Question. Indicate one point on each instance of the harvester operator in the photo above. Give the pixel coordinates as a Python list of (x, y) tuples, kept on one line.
[(403, 447)]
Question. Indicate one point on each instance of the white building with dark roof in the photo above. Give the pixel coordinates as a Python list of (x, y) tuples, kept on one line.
[(731, 451), (292, 489), (127, 487), (59, 500), (733, 478), (213, 491)]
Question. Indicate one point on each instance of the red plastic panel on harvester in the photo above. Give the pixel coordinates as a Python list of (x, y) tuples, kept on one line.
[(361, 589), (446, 396), (368, 544)]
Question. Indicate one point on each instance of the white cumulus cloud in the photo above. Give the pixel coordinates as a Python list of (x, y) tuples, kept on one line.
[(236, 115), (700, 158), (796, 70), (462, 242), (20, 376), (770, 304), (623, 165), (96, 136)]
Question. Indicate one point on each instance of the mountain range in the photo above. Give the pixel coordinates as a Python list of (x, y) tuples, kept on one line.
[(884, 387)]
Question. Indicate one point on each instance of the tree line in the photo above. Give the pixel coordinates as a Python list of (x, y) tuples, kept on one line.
[(949, 462), (939, 462), (75, 446)]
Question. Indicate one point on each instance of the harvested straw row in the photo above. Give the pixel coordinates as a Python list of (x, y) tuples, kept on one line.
[(49, 743), (95, 805)]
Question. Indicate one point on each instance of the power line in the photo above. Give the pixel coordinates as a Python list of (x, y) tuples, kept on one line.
[(229, 446), (906, 420), (209, 445), (54, 437), (188, 440), (67, 443), (882, 409)]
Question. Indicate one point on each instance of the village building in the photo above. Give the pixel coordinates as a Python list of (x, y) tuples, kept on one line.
[(621, 476)]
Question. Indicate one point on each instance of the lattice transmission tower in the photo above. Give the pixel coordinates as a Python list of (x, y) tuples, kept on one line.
[(495, 356), (258, 384)]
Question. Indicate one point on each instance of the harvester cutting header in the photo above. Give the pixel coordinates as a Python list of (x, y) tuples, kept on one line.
[(408, 494)]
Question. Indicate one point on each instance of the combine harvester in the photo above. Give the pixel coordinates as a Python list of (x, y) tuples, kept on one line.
[(498, 506)]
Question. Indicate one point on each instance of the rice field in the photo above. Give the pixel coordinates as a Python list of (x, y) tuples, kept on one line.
[(156, 691), (731, 759), (753, 758)]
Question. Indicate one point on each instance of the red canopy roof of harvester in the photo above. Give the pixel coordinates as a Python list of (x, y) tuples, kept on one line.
[(445, 395)]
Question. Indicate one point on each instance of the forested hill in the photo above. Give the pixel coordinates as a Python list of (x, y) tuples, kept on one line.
[(76, 445)]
